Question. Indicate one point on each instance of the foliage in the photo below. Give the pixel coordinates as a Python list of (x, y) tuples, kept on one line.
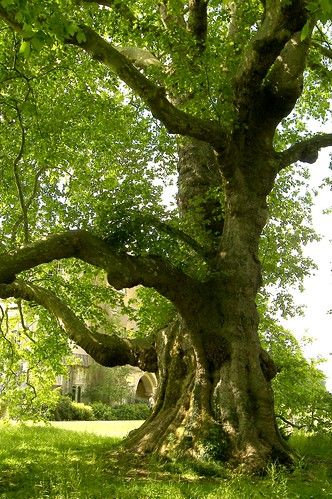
[(301, 398), (102, 412), (67, 460), (107, 385), (80, 150), (32, 351), (123, 412), (67, 410), (129, 412)]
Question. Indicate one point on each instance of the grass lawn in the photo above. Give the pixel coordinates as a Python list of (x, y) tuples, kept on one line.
[(117, 429), (48, 462)]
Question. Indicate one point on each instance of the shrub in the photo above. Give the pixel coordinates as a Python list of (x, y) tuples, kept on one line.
[(102, 412), (66, 410), (82, 412), (120, 412), (131, 411)]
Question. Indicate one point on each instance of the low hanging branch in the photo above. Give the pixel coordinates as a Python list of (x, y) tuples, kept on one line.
[(107, 350), (17, 176), (123, 270)]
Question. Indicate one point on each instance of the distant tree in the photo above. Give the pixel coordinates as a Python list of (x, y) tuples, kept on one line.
[(101, 101)]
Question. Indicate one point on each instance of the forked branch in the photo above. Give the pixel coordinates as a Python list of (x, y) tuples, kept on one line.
[(281, 21)]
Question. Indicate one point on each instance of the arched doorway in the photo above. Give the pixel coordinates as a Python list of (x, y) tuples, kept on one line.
[(146, 388)]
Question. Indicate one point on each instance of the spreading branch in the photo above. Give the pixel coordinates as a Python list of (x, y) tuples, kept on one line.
[(107, 350), (289, 423), (306, 151), (123, 270), (176, 233), (28, 203), (17, 176), (154, 96)]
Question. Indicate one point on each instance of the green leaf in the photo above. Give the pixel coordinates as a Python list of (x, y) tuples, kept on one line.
[(306, 30), (25, 49), (80, 36)]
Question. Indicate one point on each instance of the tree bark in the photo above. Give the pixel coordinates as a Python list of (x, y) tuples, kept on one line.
[(214, 398), (215, 395)]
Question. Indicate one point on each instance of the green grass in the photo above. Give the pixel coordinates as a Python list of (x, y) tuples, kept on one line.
[(47, 462), (118, 429)]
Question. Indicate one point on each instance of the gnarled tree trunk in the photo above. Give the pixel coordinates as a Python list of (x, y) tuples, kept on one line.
[(215, 395)]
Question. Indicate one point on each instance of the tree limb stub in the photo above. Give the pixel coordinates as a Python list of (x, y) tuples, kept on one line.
[(107, 350), (123, 270), (305, 151)]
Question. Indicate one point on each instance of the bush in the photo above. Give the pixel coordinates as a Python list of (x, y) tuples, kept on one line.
[(131, 411), (102, 412), (120, 412), (82, 412), (66, 410)]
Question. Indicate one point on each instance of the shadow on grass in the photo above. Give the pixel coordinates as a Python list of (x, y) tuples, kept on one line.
[(44, 462)]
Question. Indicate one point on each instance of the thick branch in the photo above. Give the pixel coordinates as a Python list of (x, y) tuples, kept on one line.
[(281, 21), (284, 84), (175, 120), (107, 350), (123, 270), (305, 151)]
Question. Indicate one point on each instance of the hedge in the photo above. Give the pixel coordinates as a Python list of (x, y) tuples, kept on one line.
[(66, 410)]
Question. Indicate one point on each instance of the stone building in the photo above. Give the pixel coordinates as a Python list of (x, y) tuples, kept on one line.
[(140, 386)]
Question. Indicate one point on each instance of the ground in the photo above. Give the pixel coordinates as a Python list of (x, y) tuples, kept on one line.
[(47, 462)]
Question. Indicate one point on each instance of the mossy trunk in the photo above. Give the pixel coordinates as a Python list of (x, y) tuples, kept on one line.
[(214, 398), (215, 393)]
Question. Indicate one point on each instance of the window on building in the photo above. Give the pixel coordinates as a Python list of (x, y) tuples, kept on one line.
[(76, 393)]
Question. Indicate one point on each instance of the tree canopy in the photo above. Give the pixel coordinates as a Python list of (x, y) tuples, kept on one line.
[(103, 105)]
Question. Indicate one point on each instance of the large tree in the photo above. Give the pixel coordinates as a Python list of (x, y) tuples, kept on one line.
[(89, 90)]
